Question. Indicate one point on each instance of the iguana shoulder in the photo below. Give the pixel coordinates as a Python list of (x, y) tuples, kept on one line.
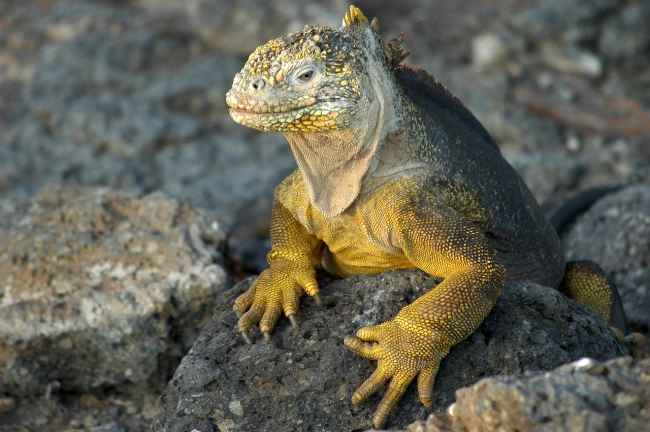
[(431, 96)]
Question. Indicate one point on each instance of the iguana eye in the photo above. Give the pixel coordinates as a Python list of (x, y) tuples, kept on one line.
[(305, 76)]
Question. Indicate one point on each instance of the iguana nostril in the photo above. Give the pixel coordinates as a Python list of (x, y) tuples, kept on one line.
[(258, 84)]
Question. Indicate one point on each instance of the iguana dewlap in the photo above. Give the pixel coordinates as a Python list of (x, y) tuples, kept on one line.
[(393, 173)]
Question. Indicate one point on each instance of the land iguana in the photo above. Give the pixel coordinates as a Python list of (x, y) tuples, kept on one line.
[(393, 173)]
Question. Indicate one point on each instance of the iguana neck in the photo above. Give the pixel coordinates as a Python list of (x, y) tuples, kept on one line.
[(339, 166), (334, 164)]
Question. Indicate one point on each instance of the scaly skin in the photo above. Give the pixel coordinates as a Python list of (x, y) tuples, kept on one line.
[(394, 173)]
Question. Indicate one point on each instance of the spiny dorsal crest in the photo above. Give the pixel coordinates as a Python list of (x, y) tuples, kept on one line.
[(395, 49), (354, 17)]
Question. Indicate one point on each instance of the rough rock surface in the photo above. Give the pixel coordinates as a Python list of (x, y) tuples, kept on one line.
[(145, 110), (220, 22), (626, 34), (100, 288), (582, 396), (615, 233), (550, 17), (304, 380)]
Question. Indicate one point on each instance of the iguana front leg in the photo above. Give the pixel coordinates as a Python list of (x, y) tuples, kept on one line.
[(441, 243), (290, 274)]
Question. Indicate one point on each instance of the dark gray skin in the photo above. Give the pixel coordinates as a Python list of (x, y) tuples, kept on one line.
[(457, 149)]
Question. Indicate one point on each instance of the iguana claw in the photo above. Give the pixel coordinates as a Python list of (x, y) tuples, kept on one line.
[(246, 337)]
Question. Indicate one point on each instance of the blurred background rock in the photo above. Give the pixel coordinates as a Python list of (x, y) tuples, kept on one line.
[(129, 95)]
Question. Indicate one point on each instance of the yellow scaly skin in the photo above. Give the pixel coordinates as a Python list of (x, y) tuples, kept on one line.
[(372, 194)]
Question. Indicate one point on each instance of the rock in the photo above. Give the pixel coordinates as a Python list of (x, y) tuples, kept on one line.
[(553, 18), (304, 380), (106, 410), (7, 405), (239, 27), (225, 173), (547, 173), (572, 60), (488, 49), (555, 175), (101, 288), (145, 112), (626, 35), (615, 233), (582, 396)]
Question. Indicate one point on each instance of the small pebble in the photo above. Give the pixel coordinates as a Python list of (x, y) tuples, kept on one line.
[(236, 408), (6, 405), (487, 50)]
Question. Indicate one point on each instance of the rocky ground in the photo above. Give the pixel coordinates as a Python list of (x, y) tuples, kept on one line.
[(274, 384), (130, 204)]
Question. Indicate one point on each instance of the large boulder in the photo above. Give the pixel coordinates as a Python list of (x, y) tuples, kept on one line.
[(615, 233), (304, 380), (100, 289), (582, 396)]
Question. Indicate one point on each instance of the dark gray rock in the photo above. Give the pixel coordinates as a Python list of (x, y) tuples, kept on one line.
[(615, 233), (101, 288), (145, 111), (304, 380), (239, 27), (553, 18), (627, 34), (225, 173)]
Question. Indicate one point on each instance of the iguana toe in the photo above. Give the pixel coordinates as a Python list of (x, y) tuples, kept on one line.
[(276, 290), (270, 317), (250, 318), (401, 354), (246, 338), (364, 349), (244, 301), (396, 389)]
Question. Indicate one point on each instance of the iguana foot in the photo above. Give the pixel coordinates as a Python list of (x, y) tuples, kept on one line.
[(277, 289), (401, 354)]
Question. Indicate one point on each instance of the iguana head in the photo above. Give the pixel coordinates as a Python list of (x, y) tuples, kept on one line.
[(330, 92), (307, 81)]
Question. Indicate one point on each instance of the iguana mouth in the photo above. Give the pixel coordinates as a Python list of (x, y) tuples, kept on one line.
[(252, 111), (242, 103), (278, 109), (269, 120), (248, 109)]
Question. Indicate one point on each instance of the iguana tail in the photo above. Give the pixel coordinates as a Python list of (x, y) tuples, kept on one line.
[(585, 281)]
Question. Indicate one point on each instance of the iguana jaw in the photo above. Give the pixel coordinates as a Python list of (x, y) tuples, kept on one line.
[(310, 115)]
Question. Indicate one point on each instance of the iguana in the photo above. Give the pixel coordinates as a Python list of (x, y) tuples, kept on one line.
[(393, 173)]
